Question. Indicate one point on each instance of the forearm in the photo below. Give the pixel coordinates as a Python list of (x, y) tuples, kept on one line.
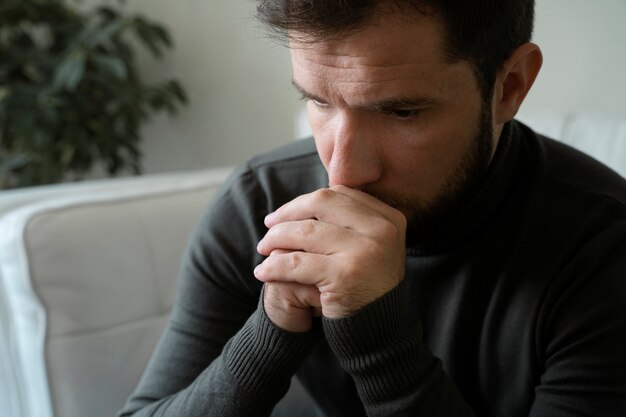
[(395, 373), (247, 379)]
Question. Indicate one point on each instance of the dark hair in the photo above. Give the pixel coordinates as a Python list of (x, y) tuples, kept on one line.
[(481, 32)]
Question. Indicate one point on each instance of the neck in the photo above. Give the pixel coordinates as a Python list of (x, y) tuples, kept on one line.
[(478, 206)]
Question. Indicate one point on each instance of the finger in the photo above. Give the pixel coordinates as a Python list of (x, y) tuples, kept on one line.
[(295, 295), (306, 235), (328, 206), (381, 207), (296, 267), (291, 306), (278, 251)]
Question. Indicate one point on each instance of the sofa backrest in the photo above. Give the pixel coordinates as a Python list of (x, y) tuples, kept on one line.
[(600, 135), (86, 284)]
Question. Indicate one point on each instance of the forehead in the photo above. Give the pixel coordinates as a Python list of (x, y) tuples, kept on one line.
[(390, 54)]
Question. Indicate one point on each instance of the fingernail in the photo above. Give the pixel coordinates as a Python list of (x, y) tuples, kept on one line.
[(257, 270), (268, 218)]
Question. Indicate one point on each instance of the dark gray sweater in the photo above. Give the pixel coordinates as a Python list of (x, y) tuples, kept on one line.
[(516, 306)]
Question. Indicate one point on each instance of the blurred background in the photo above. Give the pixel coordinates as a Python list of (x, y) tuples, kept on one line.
[(242, 103), (237, 80)]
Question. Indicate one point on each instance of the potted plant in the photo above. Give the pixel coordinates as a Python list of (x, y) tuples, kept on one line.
[(70, 94)]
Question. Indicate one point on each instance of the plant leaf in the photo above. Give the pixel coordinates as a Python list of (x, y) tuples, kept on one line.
[(102, 34), (70, 71), (161, 33), (108, 13), (5, 92), (177, 90), (78, 97), (13, 162), (146, 34), (113, 65)]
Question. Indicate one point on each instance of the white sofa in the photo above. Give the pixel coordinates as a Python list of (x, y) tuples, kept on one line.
[(87, 276), (87, 281)]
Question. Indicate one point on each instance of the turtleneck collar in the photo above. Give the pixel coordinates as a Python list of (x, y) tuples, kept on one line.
[(480, 206)]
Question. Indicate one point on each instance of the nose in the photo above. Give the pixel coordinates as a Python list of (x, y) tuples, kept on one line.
[(355, 159)]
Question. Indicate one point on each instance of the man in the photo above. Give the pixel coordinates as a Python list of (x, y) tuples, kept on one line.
[(426, 256)]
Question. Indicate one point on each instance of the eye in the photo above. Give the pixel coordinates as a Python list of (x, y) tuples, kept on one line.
[(402, 114), (318, 103)]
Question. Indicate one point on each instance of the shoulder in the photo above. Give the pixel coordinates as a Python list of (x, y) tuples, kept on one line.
[(567, 180), (268, 180), (572, 169), (572, 237), (572, 215), (292, 153)]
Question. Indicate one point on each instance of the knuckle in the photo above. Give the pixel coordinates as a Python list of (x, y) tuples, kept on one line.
[(394, 229), (400, 221), (306, 228), (271, 291), (370, 249), (276, 291), (385, 230), (295, 260), (322, 195), (340, 188)]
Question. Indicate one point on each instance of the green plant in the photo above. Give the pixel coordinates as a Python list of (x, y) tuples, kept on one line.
[(70, 94)]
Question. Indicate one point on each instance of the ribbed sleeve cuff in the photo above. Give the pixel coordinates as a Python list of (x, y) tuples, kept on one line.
[(263, 357), (380, 346)]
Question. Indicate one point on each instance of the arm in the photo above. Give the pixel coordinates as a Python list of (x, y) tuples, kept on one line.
[(219, 350), (351, 247), (394, 371), (377, 339)]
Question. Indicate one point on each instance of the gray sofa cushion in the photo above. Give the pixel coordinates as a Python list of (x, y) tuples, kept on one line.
[(86, 284)]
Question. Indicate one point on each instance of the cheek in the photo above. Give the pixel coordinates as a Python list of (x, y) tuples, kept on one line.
[(413, 160), (424, 156), (412, 145)]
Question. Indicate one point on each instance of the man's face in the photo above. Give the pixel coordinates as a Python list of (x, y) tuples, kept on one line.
[(392, 117)]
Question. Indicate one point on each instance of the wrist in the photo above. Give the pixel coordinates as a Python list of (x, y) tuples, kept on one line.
[(262, 351), (381, 346)]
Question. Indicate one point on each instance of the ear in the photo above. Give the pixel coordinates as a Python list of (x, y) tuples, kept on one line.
[(514, 81)]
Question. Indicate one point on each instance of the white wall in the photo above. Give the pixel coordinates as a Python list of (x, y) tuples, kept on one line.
[(239, 81), (584, 46)]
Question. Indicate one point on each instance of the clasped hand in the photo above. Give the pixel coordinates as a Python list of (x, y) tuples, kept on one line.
[(331, 253)]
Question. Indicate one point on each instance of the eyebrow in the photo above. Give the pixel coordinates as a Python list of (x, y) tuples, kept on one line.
[(382, 105)]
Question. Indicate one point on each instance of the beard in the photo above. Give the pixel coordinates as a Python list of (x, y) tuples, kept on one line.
[(429, 216)]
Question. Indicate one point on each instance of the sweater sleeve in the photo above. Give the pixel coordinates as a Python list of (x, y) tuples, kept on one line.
[(394, 371), (247, 379), (579, 341), (219, 354)]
